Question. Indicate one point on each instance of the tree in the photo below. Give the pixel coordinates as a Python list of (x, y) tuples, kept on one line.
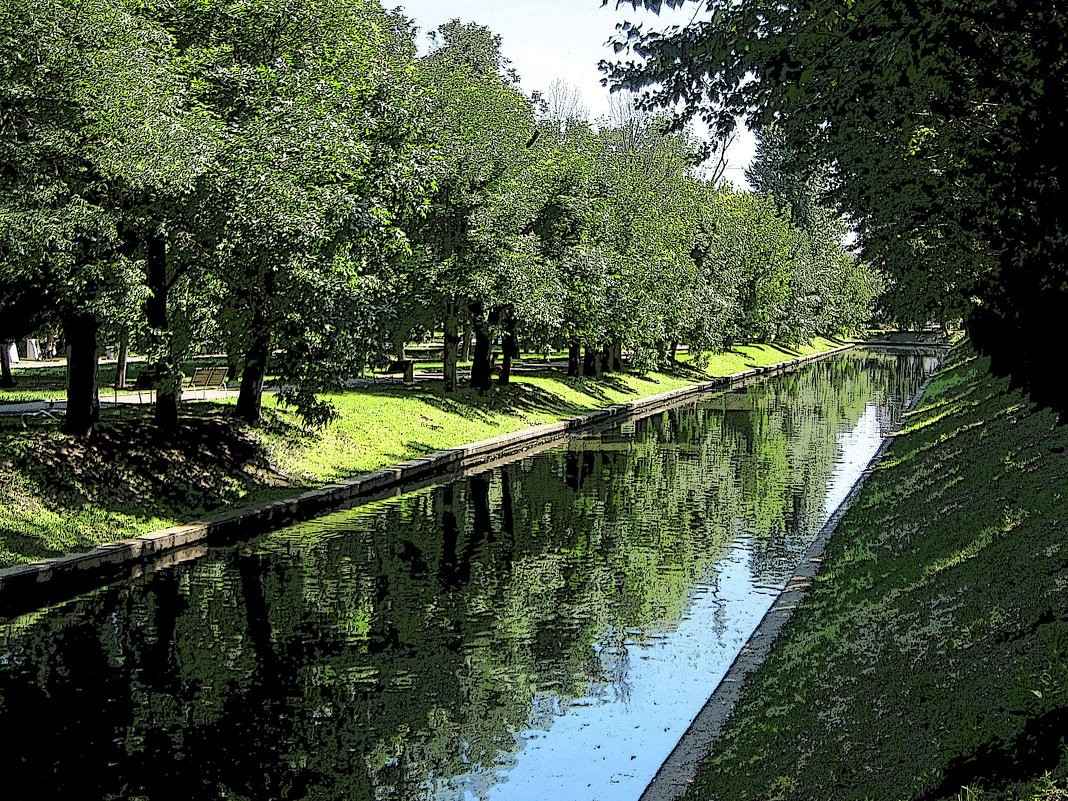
[(941, 122), (315, 167), (466, 234), (85, 97)]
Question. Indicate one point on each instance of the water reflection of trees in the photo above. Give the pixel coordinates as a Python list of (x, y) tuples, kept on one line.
[(385, 650)]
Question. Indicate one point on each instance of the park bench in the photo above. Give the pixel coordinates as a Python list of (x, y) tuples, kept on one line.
[(40, 414), (208, 378), (404, 369)]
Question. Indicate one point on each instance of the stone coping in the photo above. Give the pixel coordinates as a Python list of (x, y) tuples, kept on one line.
[(28, 585), (679, 771)]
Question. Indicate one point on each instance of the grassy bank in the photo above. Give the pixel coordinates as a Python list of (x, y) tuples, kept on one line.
[(59, 495), (930, 658)]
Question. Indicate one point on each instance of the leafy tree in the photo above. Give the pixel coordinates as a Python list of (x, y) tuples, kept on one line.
[(942, 124), (465, 235), (86, 97), (314, 168)]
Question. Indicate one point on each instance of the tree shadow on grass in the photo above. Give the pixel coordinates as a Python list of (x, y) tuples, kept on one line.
[(25, 545), (688, 372), (130, 468), (516, 398)]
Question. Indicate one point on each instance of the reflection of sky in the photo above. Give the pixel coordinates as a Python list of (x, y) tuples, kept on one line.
[(609, 744), (855, 449)]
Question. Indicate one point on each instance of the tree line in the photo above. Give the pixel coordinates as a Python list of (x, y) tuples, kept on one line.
[(293, 183), (939, 128)]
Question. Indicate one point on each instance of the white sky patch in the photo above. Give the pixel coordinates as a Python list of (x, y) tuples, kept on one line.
[(562, 39)]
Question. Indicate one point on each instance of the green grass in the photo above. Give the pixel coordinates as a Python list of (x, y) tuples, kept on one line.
[(930, 658), (59, 495)]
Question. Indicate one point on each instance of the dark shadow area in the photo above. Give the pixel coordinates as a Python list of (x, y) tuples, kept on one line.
[(129, 466), (996, 767), (29, 546)]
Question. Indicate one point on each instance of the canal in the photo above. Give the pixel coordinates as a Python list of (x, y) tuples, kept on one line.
[(545, 629)]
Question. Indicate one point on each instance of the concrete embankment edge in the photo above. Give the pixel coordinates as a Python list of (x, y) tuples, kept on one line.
[(679, 771), (43, 578)]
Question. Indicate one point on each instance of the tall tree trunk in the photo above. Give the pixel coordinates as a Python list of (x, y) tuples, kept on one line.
[(6, 378), (574, 358), (589, 364), (168, 379), (509, 350), (452, 341), (674, 350), (250, 398), (615, 356), (401, 355), (481, 366), (83, 403), (466, 355), (124, 356)]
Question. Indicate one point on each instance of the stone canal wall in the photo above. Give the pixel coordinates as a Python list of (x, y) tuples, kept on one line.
[(34, 583)]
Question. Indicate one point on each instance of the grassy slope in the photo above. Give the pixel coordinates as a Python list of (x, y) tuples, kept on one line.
[(930, 659), (59, 495)]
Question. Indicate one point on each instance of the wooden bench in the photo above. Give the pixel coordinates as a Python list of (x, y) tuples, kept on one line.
[(208, 378), (403, 368)]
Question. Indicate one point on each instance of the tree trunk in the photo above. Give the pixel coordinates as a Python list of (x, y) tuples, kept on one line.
[(466, 355), (83, 403), (233, 365), (6, 378), (589, 364), (509, 350), (674, 350), (452, 342), (250, 398), (124, 355), (400, 354), (606, 358), (481, 367), (168, 380), (574, 358), (615, 351)]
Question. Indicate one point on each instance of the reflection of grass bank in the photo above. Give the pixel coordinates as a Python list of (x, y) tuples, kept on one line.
[(932, 652), (58, 495)]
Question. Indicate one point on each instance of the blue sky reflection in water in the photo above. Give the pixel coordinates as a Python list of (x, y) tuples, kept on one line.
[(543, 630)]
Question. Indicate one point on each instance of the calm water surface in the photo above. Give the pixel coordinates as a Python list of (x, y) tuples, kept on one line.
[(544, 630)]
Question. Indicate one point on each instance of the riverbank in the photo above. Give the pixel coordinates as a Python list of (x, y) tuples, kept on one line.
[(60, 495), (929, 658)]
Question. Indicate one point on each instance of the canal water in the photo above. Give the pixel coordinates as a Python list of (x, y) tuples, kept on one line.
[(542, 630)]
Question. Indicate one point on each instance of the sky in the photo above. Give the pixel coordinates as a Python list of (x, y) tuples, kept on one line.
[(560, 39)]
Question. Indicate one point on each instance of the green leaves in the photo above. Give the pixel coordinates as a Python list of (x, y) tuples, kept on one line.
[(938, 125)]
